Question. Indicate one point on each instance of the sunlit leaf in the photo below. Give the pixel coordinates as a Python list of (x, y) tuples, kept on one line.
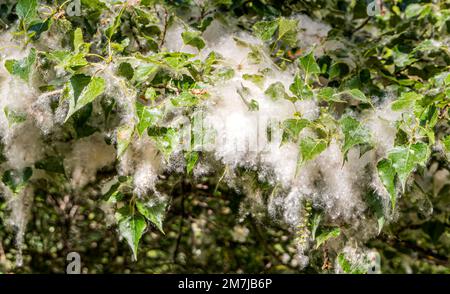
[(354, 135), (311, 147), (82, 90), (22, 68), (131, 228), (326, 235), (193, 39), (153, 211), (387, 174), (406, 158)]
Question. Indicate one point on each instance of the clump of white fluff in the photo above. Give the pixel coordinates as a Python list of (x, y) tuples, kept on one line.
[(311, 32), (243, 132), (43, 115), (145, 178), (23, 145), (143, 161), (19, 206), (381, 123), (337, 190), (88, 155)]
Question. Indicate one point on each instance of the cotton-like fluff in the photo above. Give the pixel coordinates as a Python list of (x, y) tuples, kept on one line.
[(88, 155), (311, 32), (20, 207), (338, 183), (381, 124), (241, 131), (143, 161), (42, 113), (280, 163), (24, 147), (145, 178), (15, 94)]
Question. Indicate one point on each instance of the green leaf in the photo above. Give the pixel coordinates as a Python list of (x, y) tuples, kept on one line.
[(376, 206), (78, 39), (335, 71), (244, 93), (317, 217), (80, 122), (257, 79), (354, 135), (131, 228), (125, 70), (147, 116), (14, 117), (253, 105), (311, 147), (287, 31), (82, 90), (299, 89), (265, 30), (328, 94), (68, 60), (276, 91), (406, 101), (292, 128), (324, 236), (309, 64), (22, 68), (178, 61), (191, 160), (349, 268), (26, 10), (52, 164), (165, 138), (185, 99), (145, 72), (413, 10), (78, 42), (225, 73), (387, 173), (153, 211), (37, 28), (193, 39), (405, 158), (113, 195), (16, 180), (254, 56), (117, 190), (112, 29), (343, 262), (356, 95)]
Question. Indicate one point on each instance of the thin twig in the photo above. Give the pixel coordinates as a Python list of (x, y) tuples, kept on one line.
[(166, 25)]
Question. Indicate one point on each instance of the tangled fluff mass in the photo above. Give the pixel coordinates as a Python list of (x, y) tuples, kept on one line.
[(327, 182)]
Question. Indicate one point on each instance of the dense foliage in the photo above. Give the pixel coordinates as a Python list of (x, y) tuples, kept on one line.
[(225, 136)]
